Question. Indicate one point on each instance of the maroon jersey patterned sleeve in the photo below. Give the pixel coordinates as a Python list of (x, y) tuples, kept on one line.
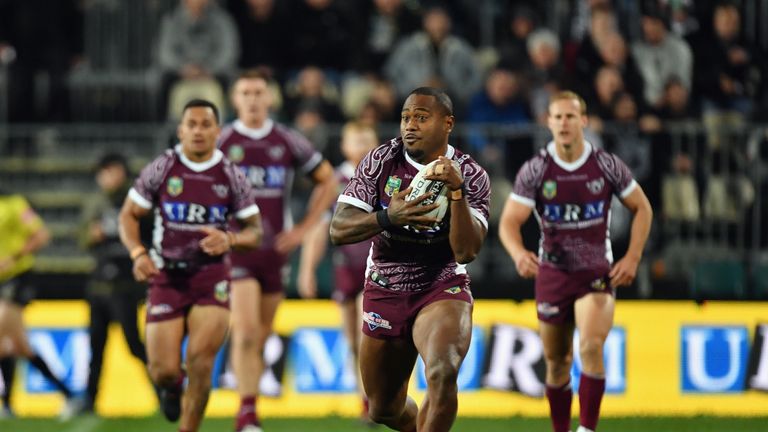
[(617, 173), (146, 186), (528, 181), (243, 201), (306, 156), (478, 187), (362, 191)]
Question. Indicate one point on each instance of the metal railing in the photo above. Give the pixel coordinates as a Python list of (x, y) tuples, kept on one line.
[(52, 164)]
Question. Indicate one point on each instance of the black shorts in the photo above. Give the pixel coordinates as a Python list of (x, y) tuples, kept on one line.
[(17, 291)]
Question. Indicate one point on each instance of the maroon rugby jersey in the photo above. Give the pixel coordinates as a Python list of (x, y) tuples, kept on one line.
[(269, 157), (187, 195), (403, 259), (572, 203)]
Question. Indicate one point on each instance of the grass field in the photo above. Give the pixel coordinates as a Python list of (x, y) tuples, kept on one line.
[(337, 424)]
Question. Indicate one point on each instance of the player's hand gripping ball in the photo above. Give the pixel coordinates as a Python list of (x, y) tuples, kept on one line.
[(421, 185)]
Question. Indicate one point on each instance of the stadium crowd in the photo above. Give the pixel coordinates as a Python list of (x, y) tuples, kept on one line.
[(648, 71)]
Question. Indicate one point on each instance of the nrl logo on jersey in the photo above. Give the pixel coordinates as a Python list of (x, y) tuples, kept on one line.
[(549, 189), (236, 153), (175, 186), (221, 291), (393, 185), (276, 152), (596, 186), (221, 190), (598, 284)]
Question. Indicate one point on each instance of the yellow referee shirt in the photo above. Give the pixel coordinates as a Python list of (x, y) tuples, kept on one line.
[(17, 223)]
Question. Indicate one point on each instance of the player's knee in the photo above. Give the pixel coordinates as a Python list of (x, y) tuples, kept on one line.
[(442, 373), (382, 413), (245, 340), (558, 365), (591, 348), (200, 364)]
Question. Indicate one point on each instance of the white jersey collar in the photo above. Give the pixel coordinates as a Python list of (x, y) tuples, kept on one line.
[(570, 166), (448, 153), (199, 166), (255, 134)]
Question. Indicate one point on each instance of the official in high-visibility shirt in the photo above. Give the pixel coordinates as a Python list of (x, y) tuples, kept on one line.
[(22, 233)]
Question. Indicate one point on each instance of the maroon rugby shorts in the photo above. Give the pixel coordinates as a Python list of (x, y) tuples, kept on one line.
[(557, 292), (390, 314), (265, 265), (172, 293)]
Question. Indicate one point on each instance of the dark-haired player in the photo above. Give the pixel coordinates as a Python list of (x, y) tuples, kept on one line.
[(270, 155), (570, 185), (194, 191), (416, 298)]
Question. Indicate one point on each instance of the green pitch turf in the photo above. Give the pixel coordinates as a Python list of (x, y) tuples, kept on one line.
[(336, 424)]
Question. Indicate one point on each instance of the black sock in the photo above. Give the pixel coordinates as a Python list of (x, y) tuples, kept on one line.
[(39, 363), (8, 368)]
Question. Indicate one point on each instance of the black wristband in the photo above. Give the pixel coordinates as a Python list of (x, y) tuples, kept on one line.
[(383, 219)]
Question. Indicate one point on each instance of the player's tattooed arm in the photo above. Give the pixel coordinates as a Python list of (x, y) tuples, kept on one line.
[(351, 225)]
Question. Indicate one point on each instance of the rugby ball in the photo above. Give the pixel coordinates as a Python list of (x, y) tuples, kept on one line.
[(420, 185)]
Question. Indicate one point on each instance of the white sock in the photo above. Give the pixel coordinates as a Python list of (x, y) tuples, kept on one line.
[(583, 429)]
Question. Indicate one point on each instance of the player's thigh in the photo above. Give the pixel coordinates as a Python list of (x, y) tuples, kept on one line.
[(244, 305), (442, 332), (594, 315), (268, 309), (557, 340), (385, 369), (207, 328), (163, 343)]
